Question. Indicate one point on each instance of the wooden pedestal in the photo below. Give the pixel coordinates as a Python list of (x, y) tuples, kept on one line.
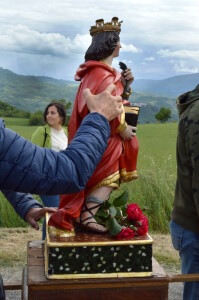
[(36, 286), (89, 255)]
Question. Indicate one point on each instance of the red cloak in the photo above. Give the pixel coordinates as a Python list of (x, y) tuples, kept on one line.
[(120, 158)]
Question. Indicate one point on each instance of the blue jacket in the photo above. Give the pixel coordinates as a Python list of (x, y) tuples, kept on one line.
[(28, 168)]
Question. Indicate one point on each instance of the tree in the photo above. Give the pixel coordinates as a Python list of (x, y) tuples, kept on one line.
[(163, 115), (36, 118)]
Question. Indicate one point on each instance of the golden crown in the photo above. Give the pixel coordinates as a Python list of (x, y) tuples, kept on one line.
[(100, 26)]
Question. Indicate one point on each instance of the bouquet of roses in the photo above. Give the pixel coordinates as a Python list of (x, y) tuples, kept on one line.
[(123, 220)]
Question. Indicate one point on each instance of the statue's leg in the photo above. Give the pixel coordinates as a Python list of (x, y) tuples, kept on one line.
[(95, 199)]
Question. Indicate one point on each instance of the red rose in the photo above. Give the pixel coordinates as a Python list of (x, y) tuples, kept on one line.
[(142, 226), (134, 212), (125, 234)]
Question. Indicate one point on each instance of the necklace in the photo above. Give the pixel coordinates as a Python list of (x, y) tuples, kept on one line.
[(106, 63)]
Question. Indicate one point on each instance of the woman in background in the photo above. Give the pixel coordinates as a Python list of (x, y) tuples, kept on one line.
[(52, 136)]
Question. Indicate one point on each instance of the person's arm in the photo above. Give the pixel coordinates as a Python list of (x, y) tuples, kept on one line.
[(29, 209), (25, 167), (21, 202)]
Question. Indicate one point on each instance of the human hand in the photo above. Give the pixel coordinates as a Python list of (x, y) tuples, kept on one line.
[(104, 103), (36, 213), (128, 133), (127, 75)]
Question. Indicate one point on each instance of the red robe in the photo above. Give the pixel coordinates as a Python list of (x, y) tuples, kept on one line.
[(120, 158)]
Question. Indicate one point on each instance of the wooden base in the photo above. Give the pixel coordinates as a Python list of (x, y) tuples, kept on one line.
[(40, 288)]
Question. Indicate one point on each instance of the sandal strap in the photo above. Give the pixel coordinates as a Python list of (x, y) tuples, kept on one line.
[(90, 200)]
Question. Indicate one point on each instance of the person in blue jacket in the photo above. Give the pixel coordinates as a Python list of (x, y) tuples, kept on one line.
[(26, 168)]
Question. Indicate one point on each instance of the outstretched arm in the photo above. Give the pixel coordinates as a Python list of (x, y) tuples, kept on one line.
[(27, 207), (25, 167)]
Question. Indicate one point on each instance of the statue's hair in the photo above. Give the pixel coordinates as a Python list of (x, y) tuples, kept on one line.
[(103, 44)]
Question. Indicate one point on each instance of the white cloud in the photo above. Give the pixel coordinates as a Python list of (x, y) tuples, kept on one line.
[(181, 67), (183, 61), (60, 29), (129, 48), (24, 40), (151, 58), (185, 54)]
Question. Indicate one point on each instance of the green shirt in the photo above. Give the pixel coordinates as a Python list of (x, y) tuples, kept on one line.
[(42, 136)]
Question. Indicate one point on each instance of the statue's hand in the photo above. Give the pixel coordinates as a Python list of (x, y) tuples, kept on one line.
[(127, 76), (128, 133)]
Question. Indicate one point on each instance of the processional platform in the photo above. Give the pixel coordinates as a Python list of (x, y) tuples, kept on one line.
[(36, 285)]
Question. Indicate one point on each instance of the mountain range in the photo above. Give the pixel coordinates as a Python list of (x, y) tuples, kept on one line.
[(32, 93)]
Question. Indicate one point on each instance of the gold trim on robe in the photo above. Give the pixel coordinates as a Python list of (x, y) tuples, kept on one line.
[(128, 176), (123, 123)]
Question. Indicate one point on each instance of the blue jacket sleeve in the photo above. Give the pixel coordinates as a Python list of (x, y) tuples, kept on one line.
[(21, 202), (25, 167)]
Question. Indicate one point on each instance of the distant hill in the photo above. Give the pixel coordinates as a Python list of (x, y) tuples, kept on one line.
[(170, 87), (32, 93), (151, 104)]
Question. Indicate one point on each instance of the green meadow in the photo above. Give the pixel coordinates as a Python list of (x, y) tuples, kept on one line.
[(154, 188)]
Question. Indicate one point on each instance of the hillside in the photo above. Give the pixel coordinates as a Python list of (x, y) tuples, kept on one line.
[(151, 104), (170, 87), (33, 93)]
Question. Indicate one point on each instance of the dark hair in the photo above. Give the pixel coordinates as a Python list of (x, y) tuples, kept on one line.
[(60, 109), (103, 44)]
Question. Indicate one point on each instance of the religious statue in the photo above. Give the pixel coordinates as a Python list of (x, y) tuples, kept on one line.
[(118, 164)]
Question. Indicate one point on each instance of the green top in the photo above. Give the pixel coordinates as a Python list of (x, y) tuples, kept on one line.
[(42, 136), (186, 200)]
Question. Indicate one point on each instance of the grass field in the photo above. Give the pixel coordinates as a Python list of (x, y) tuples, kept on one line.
[(154, 189)]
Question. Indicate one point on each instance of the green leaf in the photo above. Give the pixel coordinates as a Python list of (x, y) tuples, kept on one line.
[(102, 213), (98, 220), (115, 228), (134, 228), (112, 211), (124, 208), (121, 200), (106, 205), (119, 212)]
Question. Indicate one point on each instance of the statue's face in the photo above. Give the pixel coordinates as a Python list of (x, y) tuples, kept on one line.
[(117, 49)]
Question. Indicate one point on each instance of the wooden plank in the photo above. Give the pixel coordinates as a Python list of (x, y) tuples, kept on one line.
[(184, 277), (36, 277), (135, 293), (24, 293), (35, 244), (36, 261), (12, 285)]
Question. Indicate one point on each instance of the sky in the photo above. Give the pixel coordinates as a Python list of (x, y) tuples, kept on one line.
[(160, 38)]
